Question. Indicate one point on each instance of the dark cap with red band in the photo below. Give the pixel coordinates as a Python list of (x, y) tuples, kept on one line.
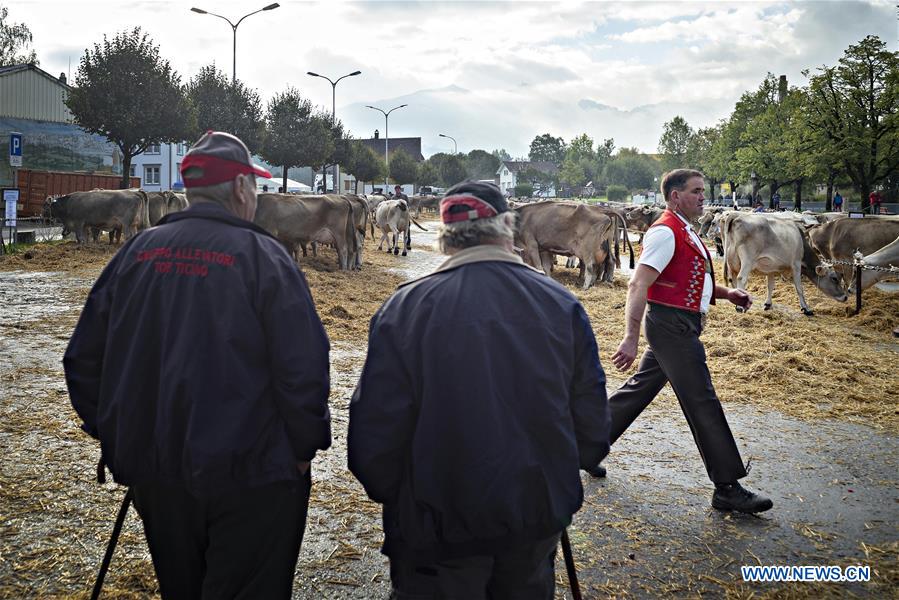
[(472, 200), (216, 158)]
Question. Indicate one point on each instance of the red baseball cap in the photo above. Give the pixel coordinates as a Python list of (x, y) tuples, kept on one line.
[(218, 157)]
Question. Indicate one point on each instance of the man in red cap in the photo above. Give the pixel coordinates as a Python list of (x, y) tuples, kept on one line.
[(481, 397), (200, 364)]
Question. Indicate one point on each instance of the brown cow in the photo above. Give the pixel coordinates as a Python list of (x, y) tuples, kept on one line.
[(298, 220), (842, 238), (760, 243), (568, 229), (888, 256)]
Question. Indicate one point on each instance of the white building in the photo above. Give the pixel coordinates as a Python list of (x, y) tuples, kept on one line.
[(508, 171), (159, 168)]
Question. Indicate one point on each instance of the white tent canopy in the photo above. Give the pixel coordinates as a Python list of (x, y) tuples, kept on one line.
[(275, 182)]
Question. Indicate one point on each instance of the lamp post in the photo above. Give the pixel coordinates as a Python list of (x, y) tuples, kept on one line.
[(234, 30), (333, 116), (455, 147), (386, 140), (754, 180)]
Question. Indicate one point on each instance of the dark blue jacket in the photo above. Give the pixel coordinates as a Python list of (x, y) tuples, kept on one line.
[(481, 396), (199, 358)]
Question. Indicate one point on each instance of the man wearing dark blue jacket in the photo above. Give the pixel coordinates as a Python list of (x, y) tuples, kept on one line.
[(481, 397), (201, 365)]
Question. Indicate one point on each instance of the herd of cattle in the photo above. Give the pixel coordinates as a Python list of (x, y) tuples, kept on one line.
[(795, 244), (778, 243), (297, 221)]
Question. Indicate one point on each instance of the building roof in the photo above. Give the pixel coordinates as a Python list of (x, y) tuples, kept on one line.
[(517, 166), (410, 145), (9, 70)]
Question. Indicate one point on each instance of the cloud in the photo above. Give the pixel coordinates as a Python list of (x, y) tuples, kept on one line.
[(492, 74)]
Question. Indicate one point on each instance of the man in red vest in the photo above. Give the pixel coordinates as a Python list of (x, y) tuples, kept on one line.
[(675, 277)]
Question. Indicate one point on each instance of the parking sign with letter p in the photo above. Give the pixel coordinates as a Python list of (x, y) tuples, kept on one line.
[(15, 149)]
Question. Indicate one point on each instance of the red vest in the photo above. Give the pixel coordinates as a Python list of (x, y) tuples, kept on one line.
[(680, 283)]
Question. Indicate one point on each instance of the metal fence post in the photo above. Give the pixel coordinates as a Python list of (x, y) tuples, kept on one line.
[(858, 287)]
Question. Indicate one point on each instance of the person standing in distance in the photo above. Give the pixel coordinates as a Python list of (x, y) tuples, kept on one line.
[(201, 365), (481, 398), (676, 279)]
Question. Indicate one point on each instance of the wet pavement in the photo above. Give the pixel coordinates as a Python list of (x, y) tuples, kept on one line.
[(645, 531)]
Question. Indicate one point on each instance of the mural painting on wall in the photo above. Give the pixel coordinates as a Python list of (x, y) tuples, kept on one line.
[(61, 147)]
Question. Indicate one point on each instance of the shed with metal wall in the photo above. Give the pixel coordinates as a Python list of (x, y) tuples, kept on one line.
[(28, 92)]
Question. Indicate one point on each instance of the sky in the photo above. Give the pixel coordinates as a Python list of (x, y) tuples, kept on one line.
[(490, 74)]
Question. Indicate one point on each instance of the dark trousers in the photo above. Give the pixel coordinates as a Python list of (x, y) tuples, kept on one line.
[(243, 544), (676, 355), (526, 572)]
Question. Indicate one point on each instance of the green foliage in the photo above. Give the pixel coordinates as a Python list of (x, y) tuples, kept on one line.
[(579, 166), (296, 135), (852, 110), (616, 193), (674, 144), (547, 148), (539, 181), (632, 170), (480, 164), (427, 174), (14, 39), (221, 105), (127, 93), (501, 154), (365, 165), (524, 190), (450, 168), (403, 168)]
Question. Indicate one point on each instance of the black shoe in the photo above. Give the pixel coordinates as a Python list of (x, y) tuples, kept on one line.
[(733, 496), (597, 471)]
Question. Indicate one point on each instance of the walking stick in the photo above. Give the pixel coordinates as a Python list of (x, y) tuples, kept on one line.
[(569, 566), (116, 531)]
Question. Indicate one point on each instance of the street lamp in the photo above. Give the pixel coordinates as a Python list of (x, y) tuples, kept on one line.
[(333, 115), (234, 30), (455, 147), (386, 140)]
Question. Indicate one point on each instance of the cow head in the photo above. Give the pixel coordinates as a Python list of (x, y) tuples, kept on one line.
[(830, 282)]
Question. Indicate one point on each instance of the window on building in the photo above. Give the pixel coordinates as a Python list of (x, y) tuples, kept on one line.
[(182, 148), (505, 171), (133, 170), (152, 149), (347, 185), (151, 175)]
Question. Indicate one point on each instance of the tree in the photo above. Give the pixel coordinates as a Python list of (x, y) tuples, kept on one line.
[(223, 105), (403, 168), (480, 164), (366, 165), (579, 165), (295, 134), (452, 171), (701, 154), (427, 174), (853, 108), (675, 143), (630, 169), (539, 181), (501, 154), (14, 38), (127, 93), (548, 148), (767, 149)]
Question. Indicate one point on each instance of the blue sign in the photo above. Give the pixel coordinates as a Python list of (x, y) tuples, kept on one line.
[(15, 149)]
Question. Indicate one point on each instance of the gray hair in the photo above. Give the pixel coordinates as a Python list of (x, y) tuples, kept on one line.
[(465, 234)]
